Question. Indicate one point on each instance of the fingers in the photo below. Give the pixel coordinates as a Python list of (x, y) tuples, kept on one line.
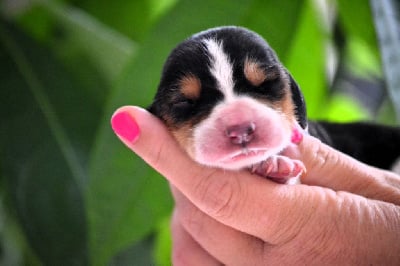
[(328, 167), (228, 197), (224, 243)]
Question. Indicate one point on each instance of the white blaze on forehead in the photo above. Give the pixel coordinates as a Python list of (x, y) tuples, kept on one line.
[(221, 67)]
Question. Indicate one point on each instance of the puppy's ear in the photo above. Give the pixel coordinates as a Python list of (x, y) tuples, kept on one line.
[(151, 108), (154, 108), (299, 103)]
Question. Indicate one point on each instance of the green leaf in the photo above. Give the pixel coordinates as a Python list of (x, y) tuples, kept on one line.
[(360, 44), (356, 20), (44, 140), (76, 43), (71, 32), (137, 254), (306, 59), (342, 108), (132, 18), (277, 21), (162, 250), (362, 61), (103, 45)]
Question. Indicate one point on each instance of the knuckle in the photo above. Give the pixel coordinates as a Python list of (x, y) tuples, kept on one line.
[(158, 152), (192, 219), (219, 195), (321, 155), (179, 256)]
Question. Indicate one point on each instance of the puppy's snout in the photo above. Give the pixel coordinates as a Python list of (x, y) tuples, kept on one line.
[(241, 134)]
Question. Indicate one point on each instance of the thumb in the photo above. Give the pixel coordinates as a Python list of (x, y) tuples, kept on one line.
[(148, 137), (331, 168)]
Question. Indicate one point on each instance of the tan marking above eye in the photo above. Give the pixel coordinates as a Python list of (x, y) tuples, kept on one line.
[(253, 72), (190, 86), (256, 74)]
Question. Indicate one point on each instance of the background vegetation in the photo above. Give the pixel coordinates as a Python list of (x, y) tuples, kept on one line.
[(70, 193)]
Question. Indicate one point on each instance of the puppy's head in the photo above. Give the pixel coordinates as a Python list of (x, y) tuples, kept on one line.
[(227, 99)]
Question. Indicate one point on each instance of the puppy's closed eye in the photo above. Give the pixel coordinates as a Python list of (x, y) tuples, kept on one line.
[(189, 88), (182, 104)]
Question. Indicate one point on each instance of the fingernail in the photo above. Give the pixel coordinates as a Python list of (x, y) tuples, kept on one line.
[(125, 126), (297, 136)]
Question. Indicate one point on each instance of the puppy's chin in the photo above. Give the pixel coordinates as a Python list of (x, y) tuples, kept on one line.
[(239, 134), (239, 160)]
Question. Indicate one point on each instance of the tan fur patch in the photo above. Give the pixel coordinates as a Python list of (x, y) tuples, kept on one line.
[(288, 107), (257, 74), (184, 136), (285, 105), (190, 86), (254, 73)]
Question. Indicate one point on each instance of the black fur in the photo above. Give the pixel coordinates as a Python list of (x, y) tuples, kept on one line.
[(376, 145), (300, 105), (190, 56)]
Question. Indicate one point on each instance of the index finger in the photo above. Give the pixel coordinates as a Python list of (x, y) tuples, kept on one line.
[(328, 167)]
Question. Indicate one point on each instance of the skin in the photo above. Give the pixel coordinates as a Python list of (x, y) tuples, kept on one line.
[(344, 213)]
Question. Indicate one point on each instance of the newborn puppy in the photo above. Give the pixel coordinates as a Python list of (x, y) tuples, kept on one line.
[(231, 104)]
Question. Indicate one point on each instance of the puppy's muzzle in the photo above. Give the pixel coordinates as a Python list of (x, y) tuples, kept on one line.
[(241, 134)]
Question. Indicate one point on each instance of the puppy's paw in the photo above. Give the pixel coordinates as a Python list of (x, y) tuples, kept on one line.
[(279, 168)]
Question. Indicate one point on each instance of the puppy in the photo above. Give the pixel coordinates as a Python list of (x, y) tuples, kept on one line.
[(231, 104)]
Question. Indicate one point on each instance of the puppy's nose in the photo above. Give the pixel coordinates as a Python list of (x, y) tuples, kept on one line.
[(241, 134)]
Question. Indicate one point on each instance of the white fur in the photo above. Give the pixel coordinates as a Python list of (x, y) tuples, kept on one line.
[(221, 67)]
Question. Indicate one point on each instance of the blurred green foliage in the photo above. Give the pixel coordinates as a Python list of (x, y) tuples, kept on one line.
[(71, 194)]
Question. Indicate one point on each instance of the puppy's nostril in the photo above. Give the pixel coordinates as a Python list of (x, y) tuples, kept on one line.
[(241, 134)]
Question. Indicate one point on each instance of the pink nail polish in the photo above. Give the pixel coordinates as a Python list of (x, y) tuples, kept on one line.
[(125, 126), (297, 136)]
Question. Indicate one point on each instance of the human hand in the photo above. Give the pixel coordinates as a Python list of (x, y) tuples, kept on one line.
[(345, 212)]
